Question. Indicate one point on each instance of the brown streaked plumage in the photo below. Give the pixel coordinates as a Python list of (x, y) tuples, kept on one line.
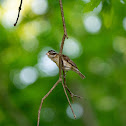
[(68, 63)]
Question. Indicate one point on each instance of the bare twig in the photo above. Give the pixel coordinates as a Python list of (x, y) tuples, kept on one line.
[(68, 100), (63, 39), (63, 19), (18, 13), (46, 97), (60, 56)]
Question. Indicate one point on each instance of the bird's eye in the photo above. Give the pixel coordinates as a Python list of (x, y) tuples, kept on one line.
[(53, 53)]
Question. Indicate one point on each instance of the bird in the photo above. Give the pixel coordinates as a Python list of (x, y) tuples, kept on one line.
[(67, 62)]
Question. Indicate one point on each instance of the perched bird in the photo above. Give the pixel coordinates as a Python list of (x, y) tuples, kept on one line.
[(67, 62)]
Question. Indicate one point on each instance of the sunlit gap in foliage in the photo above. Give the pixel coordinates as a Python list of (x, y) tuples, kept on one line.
[(39, 7), (78, 109), (46, 66), (47, 115), (99, 67), (124, 23), (72, 48), (92, 23)]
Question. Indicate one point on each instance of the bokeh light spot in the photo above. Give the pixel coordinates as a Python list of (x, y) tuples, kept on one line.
[(86, 1), (47, 114), (46, 66), (98, 66), (15, 78), (39, 7), (78, 110), (28, 75), (30, 45), (107, 103), (119, 44), (9, 18), (122, 1), (124, 23), (32, 29), (72, 48), (92, 23)]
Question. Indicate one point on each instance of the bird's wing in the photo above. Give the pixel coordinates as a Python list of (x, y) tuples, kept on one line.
[(69, 61)]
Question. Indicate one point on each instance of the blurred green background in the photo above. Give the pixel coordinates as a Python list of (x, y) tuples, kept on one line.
[(97, 44)]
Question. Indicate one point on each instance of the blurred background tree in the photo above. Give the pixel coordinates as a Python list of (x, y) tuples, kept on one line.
[(97, 44)]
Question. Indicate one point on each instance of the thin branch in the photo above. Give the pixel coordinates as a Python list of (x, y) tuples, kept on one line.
[(68, 99), (18, 13), (60, 56), (63, 39), (63, 19), (46, 97)]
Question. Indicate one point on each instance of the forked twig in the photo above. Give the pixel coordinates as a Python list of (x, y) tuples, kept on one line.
[(18, 13), (68, 99), (46, 97)]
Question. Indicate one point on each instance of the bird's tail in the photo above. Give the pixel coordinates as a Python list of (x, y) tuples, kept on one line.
[(81, 75)]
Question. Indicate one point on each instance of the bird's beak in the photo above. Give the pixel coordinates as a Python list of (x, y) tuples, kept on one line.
[(47, 53)]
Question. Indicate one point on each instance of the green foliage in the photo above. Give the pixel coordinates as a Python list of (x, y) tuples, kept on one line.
[(107, 14), (91, 5)]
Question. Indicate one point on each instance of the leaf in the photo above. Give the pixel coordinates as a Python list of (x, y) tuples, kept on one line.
[(91, 5), (107, 13)]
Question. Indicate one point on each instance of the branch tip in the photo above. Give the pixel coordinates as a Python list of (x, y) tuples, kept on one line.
[(19, 9)]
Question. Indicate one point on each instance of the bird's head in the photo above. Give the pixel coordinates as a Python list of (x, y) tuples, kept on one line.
[(51, 54)]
